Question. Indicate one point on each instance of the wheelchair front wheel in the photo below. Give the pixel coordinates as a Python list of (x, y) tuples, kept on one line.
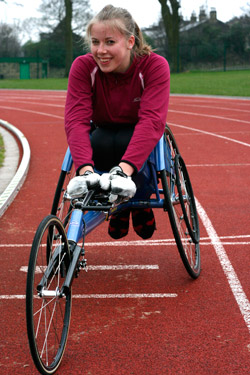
[(47, 310)]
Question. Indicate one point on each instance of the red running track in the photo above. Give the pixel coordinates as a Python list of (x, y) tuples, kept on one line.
[(205, 328)]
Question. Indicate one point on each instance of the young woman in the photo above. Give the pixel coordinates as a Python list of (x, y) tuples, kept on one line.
[(116, 110)]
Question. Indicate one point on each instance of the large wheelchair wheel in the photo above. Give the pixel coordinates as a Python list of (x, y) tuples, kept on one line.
[(187, 200), (61, 204), (180, 204), (47, 309)]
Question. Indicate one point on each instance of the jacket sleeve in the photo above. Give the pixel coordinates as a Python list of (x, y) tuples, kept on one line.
[(152, 113), (78, 112)]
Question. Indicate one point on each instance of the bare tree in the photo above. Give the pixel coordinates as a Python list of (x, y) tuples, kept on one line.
[(73, 13), (68, 36), (54, 12), (9, 43), (171, 20)]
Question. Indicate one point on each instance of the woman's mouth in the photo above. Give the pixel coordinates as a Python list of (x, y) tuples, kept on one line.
[(104, 61)]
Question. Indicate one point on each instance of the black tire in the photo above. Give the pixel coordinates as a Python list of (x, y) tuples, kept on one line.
[(61, 204), (187, 200), (47, 310), (189, 249)]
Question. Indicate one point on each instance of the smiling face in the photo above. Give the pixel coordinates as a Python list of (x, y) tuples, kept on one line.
[(111, 49)]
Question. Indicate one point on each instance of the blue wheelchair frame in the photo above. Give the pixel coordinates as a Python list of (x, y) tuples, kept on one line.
[(174, 195), (82, 223)]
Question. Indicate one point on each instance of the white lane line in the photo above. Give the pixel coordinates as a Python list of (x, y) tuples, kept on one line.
[(239, 236), (140, 295), (163, 242), (123, 267), (34, 103), (234, 283), (212, 107), (100, 296), (209, 133), (119, 267), (239, 100), (27, 99), (160, 242), (12, 296), (218, 165), (210, 116), (30, 111)]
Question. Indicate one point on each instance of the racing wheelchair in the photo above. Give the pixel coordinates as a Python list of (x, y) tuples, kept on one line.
[(58, 252)]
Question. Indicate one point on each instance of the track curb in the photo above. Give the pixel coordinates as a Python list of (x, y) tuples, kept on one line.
[(9, 194)]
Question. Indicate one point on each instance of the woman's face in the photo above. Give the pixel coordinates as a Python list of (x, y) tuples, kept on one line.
[(111, 50)]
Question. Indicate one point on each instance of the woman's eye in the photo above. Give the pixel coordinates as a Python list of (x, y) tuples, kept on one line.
[(95, 42), (110, 42)]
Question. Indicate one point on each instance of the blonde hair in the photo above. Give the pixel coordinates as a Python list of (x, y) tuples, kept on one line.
[(121, 19)]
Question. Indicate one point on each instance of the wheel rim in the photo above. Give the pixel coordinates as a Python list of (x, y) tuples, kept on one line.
[(49, 312), (189, 250), (190, 254), (186, 198)]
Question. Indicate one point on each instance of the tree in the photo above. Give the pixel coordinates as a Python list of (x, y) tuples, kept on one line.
[(75, 14), (68, 36), (9, 43), (171, 20), (239, 38), (51, 46)]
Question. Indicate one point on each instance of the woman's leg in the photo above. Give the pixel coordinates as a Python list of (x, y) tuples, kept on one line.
[(103, 143), (109, 145)]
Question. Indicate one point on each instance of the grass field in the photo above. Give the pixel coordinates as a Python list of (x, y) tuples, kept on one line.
[(1, 151), (231, 83)]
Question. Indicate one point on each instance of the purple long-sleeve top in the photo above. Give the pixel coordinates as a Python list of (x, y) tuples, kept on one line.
[(139, 96)]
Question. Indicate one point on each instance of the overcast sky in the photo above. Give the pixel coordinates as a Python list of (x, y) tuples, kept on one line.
[(145, 12)]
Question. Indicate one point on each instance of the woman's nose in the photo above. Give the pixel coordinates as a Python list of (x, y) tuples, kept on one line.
[(102, 48)]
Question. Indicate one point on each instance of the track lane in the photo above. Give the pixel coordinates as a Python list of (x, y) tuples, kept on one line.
[(201, 329)]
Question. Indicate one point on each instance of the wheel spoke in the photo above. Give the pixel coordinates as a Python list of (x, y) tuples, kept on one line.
[(48, 313), (47, 330), (181, 207)]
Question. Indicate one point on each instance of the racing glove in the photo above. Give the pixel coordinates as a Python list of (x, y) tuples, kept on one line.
[(118, 183), (80, 185)]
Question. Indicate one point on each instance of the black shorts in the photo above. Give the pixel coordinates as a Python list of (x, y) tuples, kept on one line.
[(109, 145)]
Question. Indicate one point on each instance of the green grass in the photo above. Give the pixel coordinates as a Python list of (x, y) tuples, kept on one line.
[(231, 83), (35, 84), (2, 151)]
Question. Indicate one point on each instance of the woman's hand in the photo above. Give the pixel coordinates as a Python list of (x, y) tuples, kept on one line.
[(126, 168), (85, 169), (118, 183), (80, 185)]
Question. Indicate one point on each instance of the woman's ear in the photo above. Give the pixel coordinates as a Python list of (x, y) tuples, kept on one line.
[(131, 42)]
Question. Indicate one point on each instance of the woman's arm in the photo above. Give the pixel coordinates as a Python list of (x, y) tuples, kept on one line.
[(78, 112), (152, 113)]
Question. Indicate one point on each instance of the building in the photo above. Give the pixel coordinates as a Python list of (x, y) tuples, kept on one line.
[(202, 20), (23, 68)]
